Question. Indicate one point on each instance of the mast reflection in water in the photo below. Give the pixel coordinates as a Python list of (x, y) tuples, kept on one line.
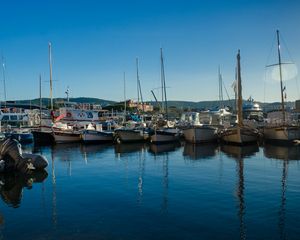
[(239, 153)]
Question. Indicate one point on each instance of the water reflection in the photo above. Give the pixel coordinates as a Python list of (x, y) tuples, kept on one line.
[(282, 152), (199, 151), (161, 152), (165, 183), (157, 149), (285, 153), (141, 157), (129, 147), (54, 208), (239, 153), (12, 184), (90, 150), (282, 209)]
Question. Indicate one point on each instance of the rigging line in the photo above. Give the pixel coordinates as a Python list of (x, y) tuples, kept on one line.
[(293, 62), (265, 88), (271, 50), (226, 91), (286, 47)]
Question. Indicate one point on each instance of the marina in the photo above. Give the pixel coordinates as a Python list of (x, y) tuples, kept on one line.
[(141, 120)]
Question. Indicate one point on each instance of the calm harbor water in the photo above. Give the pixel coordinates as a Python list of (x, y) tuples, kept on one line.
[(142, 191)]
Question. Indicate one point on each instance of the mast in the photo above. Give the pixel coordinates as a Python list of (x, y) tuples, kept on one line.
[(124, 97), (163, 80), (40, 100), (280, 76), (221, 99), (137, 80), (50, 66), (139, 89), (239, 89), (4, 81)]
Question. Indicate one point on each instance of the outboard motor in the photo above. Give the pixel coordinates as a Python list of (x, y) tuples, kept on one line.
[(11, 158)]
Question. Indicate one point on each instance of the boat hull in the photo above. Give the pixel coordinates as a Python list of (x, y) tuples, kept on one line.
[(43, 137), (96, 136), (66, 137), (282, 133), (200, 134), (125, 135), (164, 136), (240, 136)]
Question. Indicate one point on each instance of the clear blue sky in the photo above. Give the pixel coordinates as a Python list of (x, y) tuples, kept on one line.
[(94, 42)]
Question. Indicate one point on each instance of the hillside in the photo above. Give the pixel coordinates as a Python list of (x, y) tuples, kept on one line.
[(183, 105)]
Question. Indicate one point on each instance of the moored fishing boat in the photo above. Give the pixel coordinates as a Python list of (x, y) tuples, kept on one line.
[(43, 136), (131, 135), (96, 134), (165, 135), (239, 134), (66, 136), (281, 129), (201, 133), (198, 131)]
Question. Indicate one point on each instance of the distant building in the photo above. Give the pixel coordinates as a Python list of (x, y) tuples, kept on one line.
[(297, 106), (146, 107)]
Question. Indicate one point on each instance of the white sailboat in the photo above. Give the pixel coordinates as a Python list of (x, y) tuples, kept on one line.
[(282, 131), (240, 133)]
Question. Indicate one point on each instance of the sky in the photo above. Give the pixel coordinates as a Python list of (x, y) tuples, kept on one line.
[(95, 42)]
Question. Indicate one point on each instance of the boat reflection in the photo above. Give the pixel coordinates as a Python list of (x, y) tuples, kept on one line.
[(12, 184), (129, 147), (157, 149), (66, 152), (282, 152), (239, 152), (199, 151), (90, 150), (94, 148)]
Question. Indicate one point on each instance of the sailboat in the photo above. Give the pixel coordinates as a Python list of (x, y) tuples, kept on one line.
[(42, 135), (239, 134), (283, 131), (165, 133), (137, 133)]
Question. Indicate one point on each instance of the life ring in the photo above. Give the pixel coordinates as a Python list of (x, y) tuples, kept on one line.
[(69, 114)]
